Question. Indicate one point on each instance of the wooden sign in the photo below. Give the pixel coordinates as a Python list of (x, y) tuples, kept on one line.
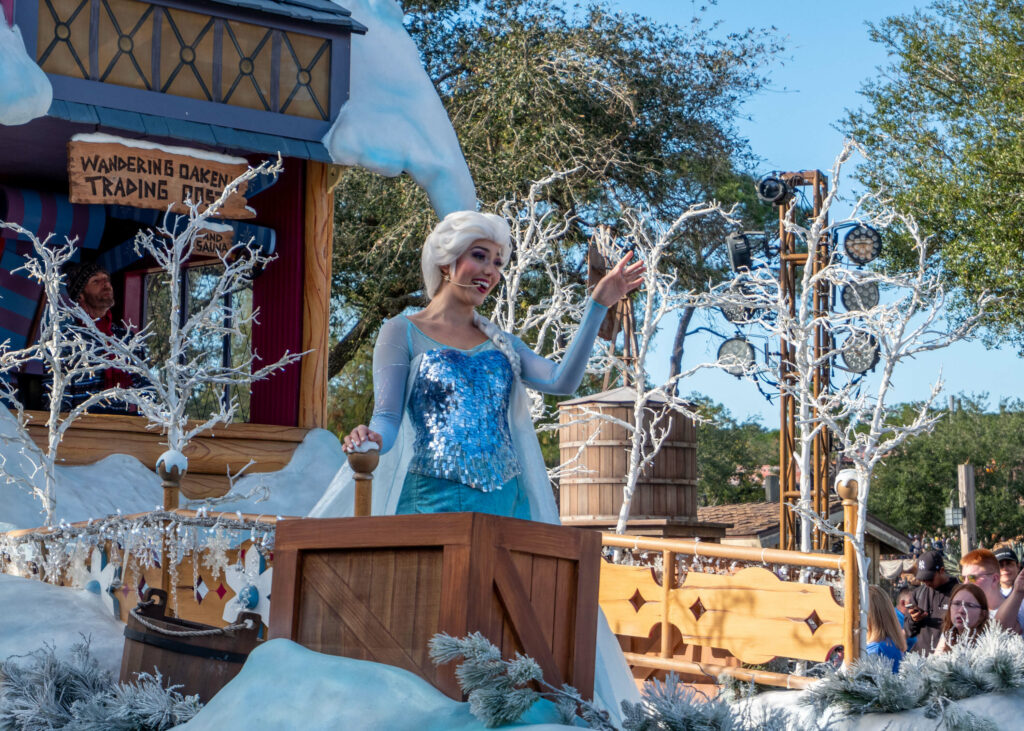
[(110, 170), (213, 241)]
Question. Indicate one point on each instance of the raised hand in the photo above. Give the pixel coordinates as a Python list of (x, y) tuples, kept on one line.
[(620, 280)]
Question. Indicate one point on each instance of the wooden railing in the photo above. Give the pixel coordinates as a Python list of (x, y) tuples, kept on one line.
[(751, 614)]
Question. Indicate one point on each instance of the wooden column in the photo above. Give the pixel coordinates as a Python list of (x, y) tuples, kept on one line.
[(363, 464), (851, 591), (316, 291), (969, 526)]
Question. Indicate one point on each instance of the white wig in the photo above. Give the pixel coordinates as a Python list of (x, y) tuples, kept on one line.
[(453, 236)]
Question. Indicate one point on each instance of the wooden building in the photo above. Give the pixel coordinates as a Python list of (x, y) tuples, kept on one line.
[(243, 78)]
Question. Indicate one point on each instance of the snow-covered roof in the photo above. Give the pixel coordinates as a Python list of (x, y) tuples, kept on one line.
[(393, 121), (25, 91), (319, 11)]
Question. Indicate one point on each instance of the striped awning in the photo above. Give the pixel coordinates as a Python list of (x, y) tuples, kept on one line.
[(42, 214)]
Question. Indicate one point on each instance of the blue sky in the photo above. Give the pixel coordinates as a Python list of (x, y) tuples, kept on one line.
[(790, 127)]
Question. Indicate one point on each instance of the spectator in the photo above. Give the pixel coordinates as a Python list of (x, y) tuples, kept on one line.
[(966, 617), (905, 597), (931, 601), (1009, 614), (981, 568), (885, 637), (1008, 569)]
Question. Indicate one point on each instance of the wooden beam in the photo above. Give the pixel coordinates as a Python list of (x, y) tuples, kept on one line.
[(316, 294)]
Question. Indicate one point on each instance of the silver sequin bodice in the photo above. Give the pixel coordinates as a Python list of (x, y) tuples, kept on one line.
[(459, 410)]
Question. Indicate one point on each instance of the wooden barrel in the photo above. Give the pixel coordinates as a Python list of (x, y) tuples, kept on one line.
[(202, 664), (667, 488)]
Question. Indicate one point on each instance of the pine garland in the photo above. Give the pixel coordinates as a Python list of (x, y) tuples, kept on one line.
[(499, 694), (76, 694), (993, 663)]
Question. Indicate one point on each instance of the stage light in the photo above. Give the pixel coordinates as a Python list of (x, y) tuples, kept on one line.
[(860, 352), (772, 189), (738, 246), (737, 355), (738, 314), (863, 244), (860, 296)]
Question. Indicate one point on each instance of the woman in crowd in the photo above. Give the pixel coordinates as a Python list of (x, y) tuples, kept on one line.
[(885, 636), (966, 617)]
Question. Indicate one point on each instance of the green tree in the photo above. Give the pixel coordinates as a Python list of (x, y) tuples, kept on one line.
[(642, 112), (943, 127), (730, 455), (912, 489)]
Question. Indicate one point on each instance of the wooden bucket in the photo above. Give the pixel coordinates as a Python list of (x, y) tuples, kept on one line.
[(666, 489), (201, 664)]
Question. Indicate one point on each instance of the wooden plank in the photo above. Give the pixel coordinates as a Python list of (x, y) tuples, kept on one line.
[(756, 616), (394, 531), (353, 613), (514, 597), (284, 588), (124, 423), (316, 294)]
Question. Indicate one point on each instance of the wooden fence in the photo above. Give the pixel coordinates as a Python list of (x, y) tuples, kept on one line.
[(747, 617)]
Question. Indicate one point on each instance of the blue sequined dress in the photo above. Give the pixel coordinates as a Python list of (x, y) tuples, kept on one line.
[(458, 402)]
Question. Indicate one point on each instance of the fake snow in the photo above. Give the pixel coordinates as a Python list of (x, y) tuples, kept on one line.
[(117, 482), (172, 460), (393, 121), (102, 138), (294, 490), (121, 482), (25, 92), (35, 613), (327, 692)]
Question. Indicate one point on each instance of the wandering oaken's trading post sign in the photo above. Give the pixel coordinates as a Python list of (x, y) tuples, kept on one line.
[(111, 170)]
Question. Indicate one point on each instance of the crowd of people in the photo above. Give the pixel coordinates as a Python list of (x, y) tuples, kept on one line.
[(939, 610)]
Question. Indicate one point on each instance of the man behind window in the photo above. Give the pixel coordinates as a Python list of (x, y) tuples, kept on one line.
[(89, 285)]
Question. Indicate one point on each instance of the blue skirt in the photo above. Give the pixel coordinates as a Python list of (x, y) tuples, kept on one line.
[(423, 494)]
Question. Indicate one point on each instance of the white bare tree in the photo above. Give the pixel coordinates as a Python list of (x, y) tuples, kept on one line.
[(906, 319), (538, 231), (654, 405), (69, 353), (187, 369)]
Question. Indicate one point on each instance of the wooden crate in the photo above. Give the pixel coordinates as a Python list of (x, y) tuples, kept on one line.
[(379, 588)]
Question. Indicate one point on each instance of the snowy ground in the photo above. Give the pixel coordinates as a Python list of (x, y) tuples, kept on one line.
[(35, 613), (337, 693)]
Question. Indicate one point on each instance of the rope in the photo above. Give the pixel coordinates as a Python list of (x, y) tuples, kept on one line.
[(247, 624)]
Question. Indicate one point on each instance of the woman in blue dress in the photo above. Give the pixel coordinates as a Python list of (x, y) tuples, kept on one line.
[(451, 416), (457, 381)]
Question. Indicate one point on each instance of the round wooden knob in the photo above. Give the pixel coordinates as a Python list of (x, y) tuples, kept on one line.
[(364, 462), (847, 485)]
